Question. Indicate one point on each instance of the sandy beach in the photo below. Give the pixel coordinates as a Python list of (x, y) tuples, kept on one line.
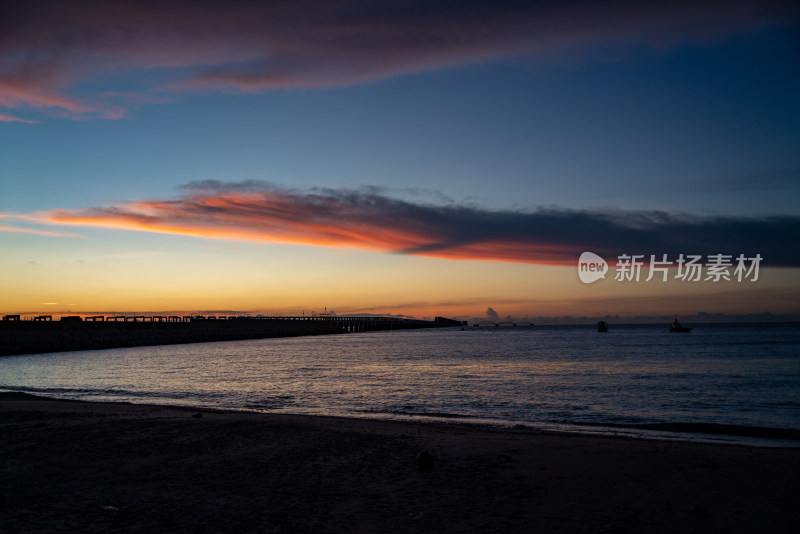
[(91, 467)]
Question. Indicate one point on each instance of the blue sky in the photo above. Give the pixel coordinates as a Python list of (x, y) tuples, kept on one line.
[(580, 133), (701, 119)]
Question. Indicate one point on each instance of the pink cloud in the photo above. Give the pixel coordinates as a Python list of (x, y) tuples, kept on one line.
[(9, 118), (48, 48), (39, 94), (372, 221)]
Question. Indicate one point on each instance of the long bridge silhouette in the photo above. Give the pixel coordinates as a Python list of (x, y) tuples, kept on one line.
[(41, 333), (347, 323)]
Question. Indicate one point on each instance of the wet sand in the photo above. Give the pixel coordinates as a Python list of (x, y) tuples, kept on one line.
[(91, 467)]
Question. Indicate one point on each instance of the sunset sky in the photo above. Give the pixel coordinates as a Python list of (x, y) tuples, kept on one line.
[(412, 158)]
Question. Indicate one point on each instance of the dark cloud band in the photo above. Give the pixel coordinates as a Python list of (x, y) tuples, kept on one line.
[(372, 220)]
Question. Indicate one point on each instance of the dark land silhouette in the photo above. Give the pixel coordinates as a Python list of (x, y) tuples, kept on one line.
[(19, 336)]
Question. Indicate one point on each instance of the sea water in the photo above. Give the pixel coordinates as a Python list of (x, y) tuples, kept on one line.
[(722, 382)]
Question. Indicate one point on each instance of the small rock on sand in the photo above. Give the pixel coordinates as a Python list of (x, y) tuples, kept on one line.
[(424, 461)]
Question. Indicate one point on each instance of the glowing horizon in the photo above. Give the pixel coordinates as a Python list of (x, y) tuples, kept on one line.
[(398, 158)]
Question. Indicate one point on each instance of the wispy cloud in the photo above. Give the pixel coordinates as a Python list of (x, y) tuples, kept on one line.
[(141, 254), (34, 231), (373, 221), (48, 48), (9, 118)]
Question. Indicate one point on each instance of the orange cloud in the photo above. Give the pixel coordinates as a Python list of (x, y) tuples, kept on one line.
[(257, 216), (372, 221)]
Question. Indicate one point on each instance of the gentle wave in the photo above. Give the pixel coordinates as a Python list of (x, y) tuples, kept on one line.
[(715, 429), (729, 381)]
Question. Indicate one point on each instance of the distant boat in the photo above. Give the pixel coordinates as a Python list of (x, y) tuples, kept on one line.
[(676, 327), (602, 326)]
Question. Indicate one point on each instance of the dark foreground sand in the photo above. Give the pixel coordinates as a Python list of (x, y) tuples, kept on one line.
[(85, 467)]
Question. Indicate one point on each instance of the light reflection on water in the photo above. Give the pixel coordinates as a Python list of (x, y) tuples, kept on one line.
[(552, 377)]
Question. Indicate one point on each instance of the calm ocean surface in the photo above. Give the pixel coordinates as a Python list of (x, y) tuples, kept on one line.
[(731, 383)]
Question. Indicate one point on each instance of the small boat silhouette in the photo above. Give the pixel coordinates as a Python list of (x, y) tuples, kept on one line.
[(602, 326), (677, 327)]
